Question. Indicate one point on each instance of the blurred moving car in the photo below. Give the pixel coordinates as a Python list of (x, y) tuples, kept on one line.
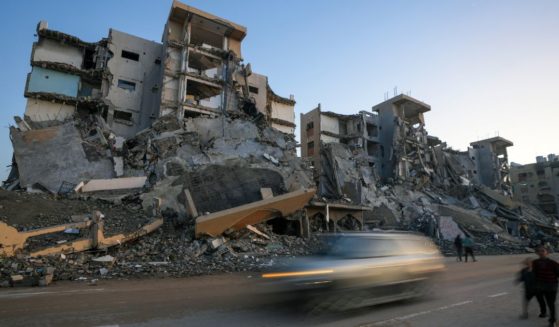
[(360, 269)]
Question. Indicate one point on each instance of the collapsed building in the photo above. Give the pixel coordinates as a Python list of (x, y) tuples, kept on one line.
[(403, 137), (125, 115), (91, 97), (181, 131), (182, 134), (537, 183), (386, 161)]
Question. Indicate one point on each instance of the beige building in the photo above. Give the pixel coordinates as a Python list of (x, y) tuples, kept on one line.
[(118, 77), (204, 72), (537, 183), (359, 131)]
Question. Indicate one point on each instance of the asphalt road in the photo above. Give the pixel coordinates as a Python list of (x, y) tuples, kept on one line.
[(469, 294)]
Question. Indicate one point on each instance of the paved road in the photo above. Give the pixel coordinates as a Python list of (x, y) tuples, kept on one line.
[(472, 294)]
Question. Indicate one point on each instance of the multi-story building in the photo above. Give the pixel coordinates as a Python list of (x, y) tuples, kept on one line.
[(397, 146), (129, 81), (360, 132), (204, 74), (118, 77), (403, 138), (538, 183), (491, 163)]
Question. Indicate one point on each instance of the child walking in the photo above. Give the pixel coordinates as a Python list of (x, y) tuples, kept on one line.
[(526, 276)]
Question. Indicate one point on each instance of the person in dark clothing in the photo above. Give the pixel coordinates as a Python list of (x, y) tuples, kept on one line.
[(546, 272), (469, 248), (459, 247), (526, 276)]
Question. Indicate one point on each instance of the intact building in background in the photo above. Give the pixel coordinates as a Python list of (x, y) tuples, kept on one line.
[(538, 183)]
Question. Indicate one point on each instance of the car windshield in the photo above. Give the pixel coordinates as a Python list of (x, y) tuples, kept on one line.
[(344, 246), (362, 247)]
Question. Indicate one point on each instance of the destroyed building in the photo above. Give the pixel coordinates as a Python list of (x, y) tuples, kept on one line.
[(359, 131), (413, 167), (537, 183), (182, 134), (403, 138), (391, 139), (204, 73), (118, 77), (491, 163), (91, 97)]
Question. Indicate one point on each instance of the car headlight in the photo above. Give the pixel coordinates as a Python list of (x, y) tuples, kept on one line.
[(298, 273)]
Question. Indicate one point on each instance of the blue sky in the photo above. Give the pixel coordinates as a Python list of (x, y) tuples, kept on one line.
[(485, 67)]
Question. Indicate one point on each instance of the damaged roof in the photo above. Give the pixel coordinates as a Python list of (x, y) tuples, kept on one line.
[(276, 98), (497, 141), (412, 105), (180, 11)]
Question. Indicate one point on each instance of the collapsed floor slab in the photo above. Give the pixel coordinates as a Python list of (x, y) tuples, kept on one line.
[(235, 218), (57, 154), (13, 242)]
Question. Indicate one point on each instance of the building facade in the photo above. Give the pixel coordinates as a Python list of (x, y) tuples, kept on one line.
[(403, 138), (204, 72), (538, 183), (491, 163), (118, 78), (129, 81), (360, 132)]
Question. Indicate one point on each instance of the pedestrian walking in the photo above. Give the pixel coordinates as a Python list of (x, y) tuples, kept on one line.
[(468, 248), (526, 276), (459, 247), (546, 272)]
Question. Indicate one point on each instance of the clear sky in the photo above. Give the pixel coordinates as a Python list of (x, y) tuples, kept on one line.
[(485, 67)]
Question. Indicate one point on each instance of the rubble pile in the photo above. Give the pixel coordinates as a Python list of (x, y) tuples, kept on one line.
[(187, 164), (435, 201), (222, 163), (167, 252)]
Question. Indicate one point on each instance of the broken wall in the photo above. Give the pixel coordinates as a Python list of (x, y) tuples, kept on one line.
[(43, 111), (215, 187), (53, 155), (341, 174), (134, 83), (43, 80), (55, 51), (175, 155)]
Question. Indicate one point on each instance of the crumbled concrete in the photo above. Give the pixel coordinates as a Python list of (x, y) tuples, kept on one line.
[(56, 154)]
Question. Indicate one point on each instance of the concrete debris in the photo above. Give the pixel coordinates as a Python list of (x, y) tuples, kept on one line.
[(252, 213), (13, 242), (257, 232), (124, 183), (51, 155), (272, 159), (216, 243), (191, 140), (104, 259)]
